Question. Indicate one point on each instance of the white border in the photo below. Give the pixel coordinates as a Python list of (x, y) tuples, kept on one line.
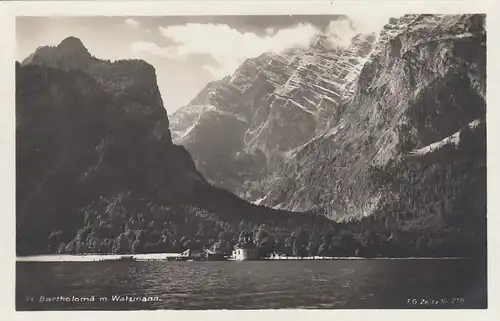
[(8, 12)]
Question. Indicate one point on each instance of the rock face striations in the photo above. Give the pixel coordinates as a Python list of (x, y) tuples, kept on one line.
[(409, 146), (390, 130), (380, 145), (240, 128)]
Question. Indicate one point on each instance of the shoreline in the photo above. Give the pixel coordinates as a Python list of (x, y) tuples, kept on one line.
[(167, 256)]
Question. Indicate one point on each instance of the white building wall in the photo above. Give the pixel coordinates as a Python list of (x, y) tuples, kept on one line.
[(245, 254)]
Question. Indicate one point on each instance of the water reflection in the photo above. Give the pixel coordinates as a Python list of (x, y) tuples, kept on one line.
[(248, 285)]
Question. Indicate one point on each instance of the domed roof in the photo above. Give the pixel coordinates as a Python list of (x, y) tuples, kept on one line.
[(246, 245)]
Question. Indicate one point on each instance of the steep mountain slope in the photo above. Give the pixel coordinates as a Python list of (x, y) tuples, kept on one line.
[(96, 167), (239, 128), (402, 150), (409, 147)]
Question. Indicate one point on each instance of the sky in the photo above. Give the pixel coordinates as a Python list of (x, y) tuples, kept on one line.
[(188, 51)]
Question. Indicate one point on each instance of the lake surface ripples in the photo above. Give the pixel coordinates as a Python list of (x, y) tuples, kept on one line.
[(338, 284)]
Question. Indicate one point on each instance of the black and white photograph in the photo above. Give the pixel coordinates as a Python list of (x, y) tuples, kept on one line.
[(251, 162)]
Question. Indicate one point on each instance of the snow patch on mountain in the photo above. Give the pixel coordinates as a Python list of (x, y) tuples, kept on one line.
[(450, 140), (286, 98)]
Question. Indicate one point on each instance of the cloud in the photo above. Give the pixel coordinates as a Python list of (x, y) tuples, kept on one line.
[(229, 47), (132, 23), (153, 49), (216, 72), (368, 23), (341, 32)]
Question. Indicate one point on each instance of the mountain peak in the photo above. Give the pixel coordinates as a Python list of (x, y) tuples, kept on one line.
[(72, 45), (72, 40), (71, 51)]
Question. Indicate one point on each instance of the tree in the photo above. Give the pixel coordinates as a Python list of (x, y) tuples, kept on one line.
[(300, 243), (312, 248), (265, 243), (245, 237), (184, 242), (54, 240), (223, 246), (61, 249), (261, 235), (121, 244), (137, 246), (323, 248)]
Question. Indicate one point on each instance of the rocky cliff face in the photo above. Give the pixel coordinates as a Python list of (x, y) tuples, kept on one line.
[(409, 146), (92, 143), (240, 128), (131, 82), (395, 147)]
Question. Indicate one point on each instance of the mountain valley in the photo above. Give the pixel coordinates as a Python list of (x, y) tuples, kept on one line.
[(374, 149)]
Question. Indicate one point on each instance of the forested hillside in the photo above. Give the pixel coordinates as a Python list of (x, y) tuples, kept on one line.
[(396, 166)]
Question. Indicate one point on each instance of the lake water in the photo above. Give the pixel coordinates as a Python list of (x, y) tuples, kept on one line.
[(337, 284)]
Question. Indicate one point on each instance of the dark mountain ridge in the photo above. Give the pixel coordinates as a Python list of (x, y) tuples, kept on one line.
[(94, 159), (98, 172), (409, 147), (423, 83), (403, 148)]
